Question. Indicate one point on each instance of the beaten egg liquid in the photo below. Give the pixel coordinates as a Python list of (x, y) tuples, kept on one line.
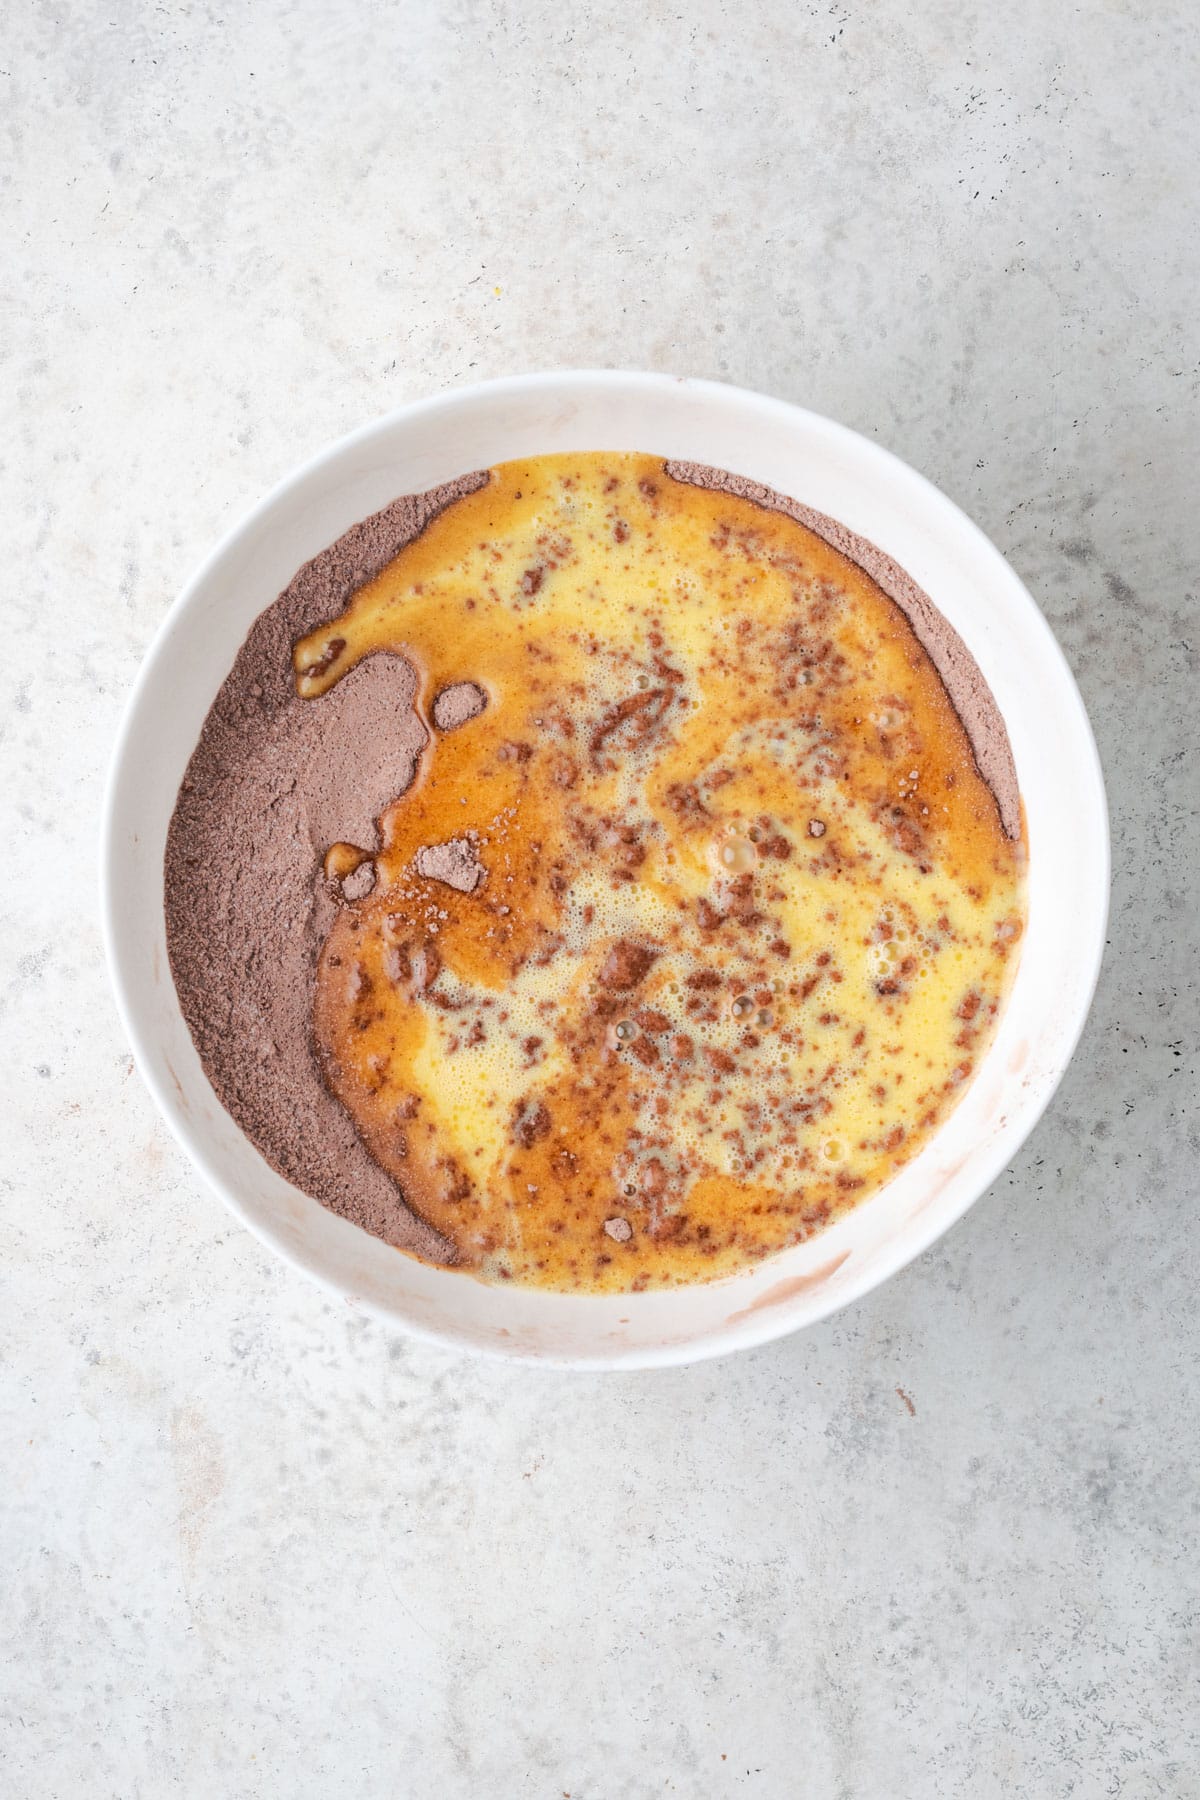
[(748, 912)]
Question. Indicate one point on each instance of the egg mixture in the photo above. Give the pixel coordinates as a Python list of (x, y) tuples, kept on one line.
[(695, 920)]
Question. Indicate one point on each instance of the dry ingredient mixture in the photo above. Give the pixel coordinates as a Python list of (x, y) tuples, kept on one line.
[(660, 910)]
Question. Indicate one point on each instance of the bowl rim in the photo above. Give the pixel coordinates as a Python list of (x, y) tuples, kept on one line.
[(777, 1321)]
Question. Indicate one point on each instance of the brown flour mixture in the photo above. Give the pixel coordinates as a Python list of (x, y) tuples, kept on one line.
[(276, 779), (272, 782)]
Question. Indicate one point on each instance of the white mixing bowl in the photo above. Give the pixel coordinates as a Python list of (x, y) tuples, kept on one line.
[(825, 466)]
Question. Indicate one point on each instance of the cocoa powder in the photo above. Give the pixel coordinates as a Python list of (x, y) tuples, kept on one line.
[(458, 704), (272, 782)]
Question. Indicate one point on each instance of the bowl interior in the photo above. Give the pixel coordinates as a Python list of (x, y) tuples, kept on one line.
[(825, 466)]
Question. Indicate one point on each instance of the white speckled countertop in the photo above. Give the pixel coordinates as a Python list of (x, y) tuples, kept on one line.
[(253, 1544)]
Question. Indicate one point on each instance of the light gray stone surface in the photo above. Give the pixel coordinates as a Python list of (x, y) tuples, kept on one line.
[(253, 1544)]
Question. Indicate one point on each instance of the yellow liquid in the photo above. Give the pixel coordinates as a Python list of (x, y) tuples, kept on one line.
[(709, 740)]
